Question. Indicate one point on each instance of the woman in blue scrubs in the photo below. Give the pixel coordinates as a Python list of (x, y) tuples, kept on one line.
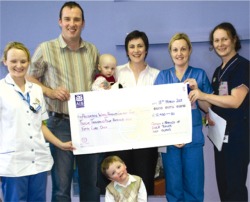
[(183, 164), (230, 100)]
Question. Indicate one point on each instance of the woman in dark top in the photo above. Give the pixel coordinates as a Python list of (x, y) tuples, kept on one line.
[(230, 100)]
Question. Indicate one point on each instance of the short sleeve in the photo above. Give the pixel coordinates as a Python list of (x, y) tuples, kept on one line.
[(240, 75)]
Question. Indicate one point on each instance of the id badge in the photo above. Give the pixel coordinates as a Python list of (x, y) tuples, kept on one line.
[(223, 89)]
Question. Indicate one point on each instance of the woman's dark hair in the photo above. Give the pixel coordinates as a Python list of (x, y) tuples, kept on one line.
[(71, 4), (136, 35), (231, 31)]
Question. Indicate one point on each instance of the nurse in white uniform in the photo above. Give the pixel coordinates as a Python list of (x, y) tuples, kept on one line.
[(24, 153)]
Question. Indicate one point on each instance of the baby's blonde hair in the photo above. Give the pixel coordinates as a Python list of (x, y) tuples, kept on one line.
[(105, 56)]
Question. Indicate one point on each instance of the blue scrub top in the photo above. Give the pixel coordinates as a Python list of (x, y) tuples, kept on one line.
[(168, 76)]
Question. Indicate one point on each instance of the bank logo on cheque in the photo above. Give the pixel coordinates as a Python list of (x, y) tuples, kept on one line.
[(79, 101)]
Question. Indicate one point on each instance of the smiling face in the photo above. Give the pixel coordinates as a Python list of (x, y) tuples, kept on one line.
[(71, 23), (117, 172), (223, 44), (180, 53), (17, 63), (136, 50)]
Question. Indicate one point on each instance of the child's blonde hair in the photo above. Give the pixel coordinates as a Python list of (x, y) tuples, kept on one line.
[(107, 162)]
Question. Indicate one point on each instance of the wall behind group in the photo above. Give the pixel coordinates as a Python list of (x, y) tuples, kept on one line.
[(108, 22)]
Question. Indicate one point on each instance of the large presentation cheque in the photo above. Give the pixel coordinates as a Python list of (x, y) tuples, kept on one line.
[(130, 118)]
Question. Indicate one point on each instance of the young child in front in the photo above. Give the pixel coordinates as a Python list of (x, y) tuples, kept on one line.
[(25, 156), (123, 186), (105, 79)]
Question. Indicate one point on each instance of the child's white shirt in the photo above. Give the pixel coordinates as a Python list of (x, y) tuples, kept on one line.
[(142, 195)]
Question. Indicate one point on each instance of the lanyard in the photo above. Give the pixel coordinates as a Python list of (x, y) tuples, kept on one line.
[(220, 76), (28, 101)]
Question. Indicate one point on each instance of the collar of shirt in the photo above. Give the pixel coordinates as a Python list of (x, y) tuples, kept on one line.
[(142, 72), (126, 68), (63, 44), (10, 81), (185, 76), (130, 180)]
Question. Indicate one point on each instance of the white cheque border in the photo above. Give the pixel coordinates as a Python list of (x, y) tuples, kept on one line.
[(130, 118)]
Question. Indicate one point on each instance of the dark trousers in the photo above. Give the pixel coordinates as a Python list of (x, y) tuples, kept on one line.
[(63, 168), (231, 172), (88, 177)]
